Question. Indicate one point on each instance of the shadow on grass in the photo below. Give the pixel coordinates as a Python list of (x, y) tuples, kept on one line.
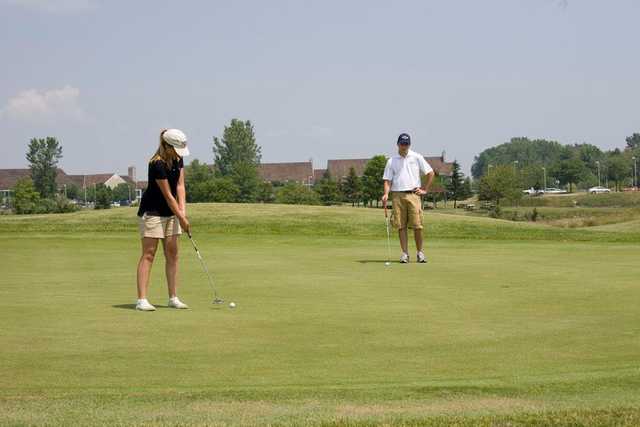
[(161, 307), (376, 261), (125, 306), (133, 306)]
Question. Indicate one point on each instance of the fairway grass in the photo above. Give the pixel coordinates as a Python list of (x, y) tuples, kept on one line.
[(492, 331)]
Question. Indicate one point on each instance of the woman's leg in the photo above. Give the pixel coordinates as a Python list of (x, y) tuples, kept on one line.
[(149, 246), (170, 246)]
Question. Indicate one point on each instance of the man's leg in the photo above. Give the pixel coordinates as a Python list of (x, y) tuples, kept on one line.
[(417, 234), (404, 240)]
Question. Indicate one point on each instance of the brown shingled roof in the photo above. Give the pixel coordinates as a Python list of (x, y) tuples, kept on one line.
[(340, 168), (283, 172), (440, 166), (318, 174), (9, 177)]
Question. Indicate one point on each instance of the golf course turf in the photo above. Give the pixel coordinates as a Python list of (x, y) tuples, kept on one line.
[(508, 323)]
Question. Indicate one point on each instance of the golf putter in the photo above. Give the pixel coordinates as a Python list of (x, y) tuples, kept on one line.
[(386, 220), (216, 299)]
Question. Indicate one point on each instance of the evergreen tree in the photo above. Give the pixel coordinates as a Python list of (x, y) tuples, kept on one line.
[(237, 156), (372, 182), (43, 156), (351, 187)]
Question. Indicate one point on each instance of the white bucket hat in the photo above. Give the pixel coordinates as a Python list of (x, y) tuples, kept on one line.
[(178, 140)]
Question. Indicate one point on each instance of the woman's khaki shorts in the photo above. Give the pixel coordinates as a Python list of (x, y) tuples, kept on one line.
[(407, 210), (159, 227)]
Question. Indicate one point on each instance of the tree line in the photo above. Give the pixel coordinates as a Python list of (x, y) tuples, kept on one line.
[(541, 162)]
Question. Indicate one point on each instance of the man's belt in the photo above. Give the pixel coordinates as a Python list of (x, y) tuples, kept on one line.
[(406, 191)]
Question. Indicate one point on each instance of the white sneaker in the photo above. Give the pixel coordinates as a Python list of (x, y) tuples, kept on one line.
[(143, 305), (404, 258), (176, 303), (421, 257)]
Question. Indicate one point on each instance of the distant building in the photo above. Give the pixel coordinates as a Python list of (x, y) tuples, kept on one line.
[(339, 169), (10, 177), (298, 172), (304, 173)]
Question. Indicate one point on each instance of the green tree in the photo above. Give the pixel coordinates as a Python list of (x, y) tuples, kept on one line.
[(297, 194), (372, 182), (468, 187), (633, 141), (328, 190), (196, 174), (237, 156), (525, 151), (219, 190), (568, 171), (618, 168), (245, 177), (43, 156), (73, 192), (351, 187), (25, 197), (456, 185), (103, 197), (500, 184), (121, 192), (266, 193)]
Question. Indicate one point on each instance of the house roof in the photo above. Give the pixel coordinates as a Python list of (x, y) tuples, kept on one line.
[(440, 166), (340, 168), (293, 171), (318, 174), (9, 177)]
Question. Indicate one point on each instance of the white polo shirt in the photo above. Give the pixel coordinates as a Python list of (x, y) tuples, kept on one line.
[(405, 172)]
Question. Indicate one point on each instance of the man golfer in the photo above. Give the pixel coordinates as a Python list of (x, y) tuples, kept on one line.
[(403, 178)]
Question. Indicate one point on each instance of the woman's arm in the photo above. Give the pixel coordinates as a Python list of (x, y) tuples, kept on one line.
[(182, 195), (163, 184)]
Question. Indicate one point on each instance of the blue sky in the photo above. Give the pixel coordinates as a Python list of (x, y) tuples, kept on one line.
[(319, 79)]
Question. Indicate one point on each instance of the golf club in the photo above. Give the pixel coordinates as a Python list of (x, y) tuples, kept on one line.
[(386, 220), (216, 299)]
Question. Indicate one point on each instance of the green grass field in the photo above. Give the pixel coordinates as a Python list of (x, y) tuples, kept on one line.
[(508, 324)]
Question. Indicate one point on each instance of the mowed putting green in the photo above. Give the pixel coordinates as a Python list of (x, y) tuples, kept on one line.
[(497, 328)]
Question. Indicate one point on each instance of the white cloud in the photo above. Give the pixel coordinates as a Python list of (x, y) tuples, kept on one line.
[(55, 6), (35, 106)]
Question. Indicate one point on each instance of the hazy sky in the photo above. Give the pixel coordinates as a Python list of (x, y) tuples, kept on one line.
[(319, 79)]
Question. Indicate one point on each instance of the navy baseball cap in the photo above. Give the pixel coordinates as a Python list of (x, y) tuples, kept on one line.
[(404, 139)]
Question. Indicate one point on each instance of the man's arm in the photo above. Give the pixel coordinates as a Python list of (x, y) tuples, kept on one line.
[(385, 196), (427, 186)]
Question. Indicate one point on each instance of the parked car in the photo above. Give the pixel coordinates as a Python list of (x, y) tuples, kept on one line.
[(533, 192), (554, 191), (598, 190)]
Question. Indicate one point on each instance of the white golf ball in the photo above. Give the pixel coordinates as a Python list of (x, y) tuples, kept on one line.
[(232, 304), (387, 263)]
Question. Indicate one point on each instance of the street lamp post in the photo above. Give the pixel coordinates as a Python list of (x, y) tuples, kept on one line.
[(598, 166), (635, 172), (544, 174)]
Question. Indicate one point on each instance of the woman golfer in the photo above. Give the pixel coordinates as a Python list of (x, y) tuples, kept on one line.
[(163, 215)]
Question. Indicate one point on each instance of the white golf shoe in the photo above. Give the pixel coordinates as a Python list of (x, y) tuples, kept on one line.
[(421, 258), (176, 303), (404, 258), (144, 305)]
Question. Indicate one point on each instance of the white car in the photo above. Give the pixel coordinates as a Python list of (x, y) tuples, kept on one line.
[(598, 190), (533, 192), (554, 191)]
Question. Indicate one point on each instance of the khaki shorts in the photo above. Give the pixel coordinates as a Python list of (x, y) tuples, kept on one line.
[(159, 227), (407, 210)]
